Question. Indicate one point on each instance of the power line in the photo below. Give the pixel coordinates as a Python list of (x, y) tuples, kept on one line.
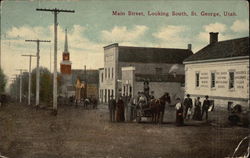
[(55, 12), (37, 67)]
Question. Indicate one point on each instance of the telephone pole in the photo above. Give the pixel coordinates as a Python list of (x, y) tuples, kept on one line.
[(55, 12), (20, 90), (37, 68), (29, 86)]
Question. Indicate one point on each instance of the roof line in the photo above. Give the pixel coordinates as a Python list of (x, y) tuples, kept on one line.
[(232, 39), (216, 60), (153, 47)]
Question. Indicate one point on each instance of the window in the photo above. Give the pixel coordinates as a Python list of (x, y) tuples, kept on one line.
[(102, 77), (105, 72), (123, 94), (105, 96), (197, 79), (112, 73), (108, 72), (231, 80), (212, 79)]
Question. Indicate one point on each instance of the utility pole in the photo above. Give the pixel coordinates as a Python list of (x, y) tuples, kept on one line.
[(0, 34), (20, 90), (29, 86), (55, 12), (85, 78), (37, 68)]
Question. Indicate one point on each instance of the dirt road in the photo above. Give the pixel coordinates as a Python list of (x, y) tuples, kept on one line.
[(79, 133)]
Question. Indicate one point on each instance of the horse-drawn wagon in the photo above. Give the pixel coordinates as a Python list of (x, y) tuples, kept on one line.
[(150, 108)]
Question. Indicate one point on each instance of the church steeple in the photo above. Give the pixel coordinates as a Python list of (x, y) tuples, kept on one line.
[(66, 63), (66, 42)]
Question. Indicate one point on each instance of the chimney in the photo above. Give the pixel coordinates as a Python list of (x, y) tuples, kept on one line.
[(213, 37), (190, 47)]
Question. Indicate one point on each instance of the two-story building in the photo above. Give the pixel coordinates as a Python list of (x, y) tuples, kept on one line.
[(147, 62), (221, 71)]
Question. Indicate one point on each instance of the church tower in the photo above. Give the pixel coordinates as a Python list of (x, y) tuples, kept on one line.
[(65, 65), (65, 68)]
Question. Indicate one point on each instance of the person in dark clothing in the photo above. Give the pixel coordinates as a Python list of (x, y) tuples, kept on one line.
[(205, 107), (197, 109), (112, 108), (146, 88), (151, 96), (120, 110), (95, 103), (179, 113), (167, 98), (188, 103)]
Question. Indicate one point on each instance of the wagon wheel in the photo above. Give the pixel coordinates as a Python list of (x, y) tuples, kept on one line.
[(138, 116)]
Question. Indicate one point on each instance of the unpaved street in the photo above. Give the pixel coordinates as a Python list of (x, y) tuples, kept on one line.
[(78, 133)]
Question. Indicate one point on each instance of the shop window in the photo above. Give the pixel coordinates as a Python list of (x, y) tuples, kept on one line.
[(112, 73), (197, 79), (212, 79), (231, 80)]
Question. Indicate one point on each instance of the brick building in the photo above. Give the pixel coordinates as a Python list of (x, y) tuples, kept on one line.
[(147, 62), (221, 71)]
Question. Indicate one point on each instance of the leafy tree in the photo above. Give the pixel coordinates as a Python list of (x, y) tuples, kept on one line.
[(46, 84), (3, 81)]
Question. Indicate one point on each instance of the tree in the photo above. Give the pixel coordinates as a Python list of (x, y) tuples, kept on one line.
[(46, 84), (3, 81)]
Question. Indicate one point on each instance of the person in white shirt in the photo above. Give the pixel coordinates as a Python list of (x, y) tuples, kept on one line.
[(179, 113)]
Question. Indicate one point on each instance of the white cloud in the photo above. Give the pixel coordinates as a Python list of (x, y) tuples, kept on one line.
[(170, 33), (215, 27), (122, 34), (240, 26), (82, 50), (172, 36), (27, 32)]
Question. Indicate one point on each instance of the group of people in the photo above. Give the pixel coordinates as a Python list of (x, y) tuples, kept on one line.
[(116, 110), (185, 111), (124, 109), (86, 102)]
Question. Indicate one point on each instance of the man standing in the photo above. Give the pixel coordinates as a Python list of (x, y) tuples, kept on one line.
[(188, 103), (112, 108), (205, 107)]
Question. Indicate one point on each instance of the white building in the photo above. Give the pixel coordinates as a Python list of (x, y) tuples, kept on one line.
[(147, 62), (221, 71), (133, 82)]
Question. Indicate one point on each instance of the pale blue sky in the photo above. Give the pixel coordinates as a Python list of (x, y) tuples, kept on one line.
[(92, 26)]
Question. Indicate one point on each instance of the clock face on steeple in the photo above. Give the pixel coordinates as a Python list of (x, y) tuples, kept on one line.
[(65, 56)]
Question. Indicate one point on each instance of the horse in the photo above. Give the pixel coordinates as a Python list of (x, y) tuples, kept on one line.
[(157, 108), (154, 106)]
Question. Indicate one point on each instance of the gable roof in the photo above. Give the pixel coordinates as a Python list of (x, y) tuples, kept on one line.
[(152, 55), (92, 75), (223, 49)]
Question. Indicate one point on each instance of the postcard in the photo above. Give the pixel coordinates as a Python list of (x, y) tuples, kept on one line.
[(124, 79)]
